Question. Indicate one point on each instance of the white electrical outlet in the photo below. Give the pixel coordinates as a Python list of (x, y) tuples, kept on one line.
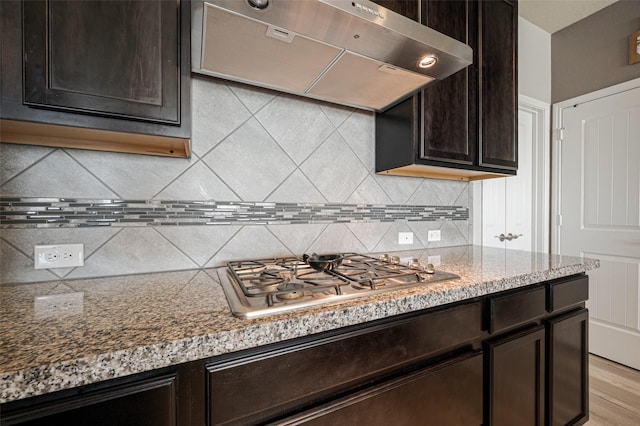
[(433, 235), (405, 237), (58, 256)]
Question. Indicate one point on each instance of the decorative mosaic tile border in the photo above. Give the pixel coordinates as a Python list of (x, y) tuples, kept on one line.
[(71, 213)]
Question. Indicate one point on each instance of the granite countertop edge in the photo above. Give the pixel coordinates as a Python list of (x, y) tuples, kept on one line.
[(42, 379)]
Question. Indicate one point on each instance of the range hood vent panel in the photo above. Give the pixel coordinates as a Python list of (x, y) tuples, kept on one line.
[(277, 64), (325, 53), (355, 79)]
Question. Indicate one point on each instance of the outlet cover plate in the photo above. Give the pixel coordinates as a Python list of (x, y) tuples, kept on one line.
[(405, 237), (58, 256), (434, 235)]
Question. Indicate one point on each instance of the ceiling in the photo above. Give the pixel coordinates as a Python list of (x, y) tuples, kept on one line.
[(554, 15)]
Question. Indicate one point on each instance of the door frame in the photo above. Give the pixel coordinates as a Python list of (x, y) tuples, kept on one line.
[(541, 115), (556, 154)]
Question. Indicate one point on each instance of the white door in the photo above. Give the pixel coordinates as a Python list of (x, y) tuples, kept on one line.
[(517, 205), (599, 207)]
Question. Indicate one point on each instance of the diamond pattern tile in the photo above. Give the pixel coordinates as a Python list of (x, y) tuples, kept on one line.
[(132, 176), (215, 113), (200, 243), (17, 158), (71, 180), (134, 251), (297, 189), (334, 169), (253, 98), (251, 162), (369, 192), (336, 113), (336, 237), (248, 144), (448, 191), (359, 132), (389, 241), (297, 125), (251, 242), (398, 188), (464, 199), (297, 238), (16, 266), (465, 229), (25, 239), (450, 235), (369, 234), (424, 195), (198, 183)]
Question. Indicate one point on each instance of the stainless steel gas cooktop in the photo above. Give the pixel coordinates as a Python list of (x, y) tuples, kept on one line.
[(268, 286)]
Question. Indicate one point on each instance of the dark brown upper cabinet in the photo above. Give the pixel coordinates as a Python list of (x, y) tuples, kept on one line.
[(449, 107), (498, 84), (104, 67), (463, 127)]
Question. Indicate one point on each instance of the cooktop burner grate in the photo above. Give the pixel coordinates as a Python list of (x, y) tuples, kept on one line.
[(258, 287)]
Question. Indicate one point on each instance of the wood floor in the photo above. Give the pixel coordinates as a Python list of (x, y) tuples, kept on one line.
[(614, 394)]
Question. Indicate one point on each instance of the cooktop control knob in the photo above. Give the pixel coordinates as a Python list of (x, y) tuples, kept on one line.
[(430, 269), (395, 260), (384, 258), (414, 263)]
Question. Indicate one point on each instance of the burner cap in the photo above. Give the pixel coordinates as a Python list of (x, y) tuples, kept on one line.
[(294, 291)]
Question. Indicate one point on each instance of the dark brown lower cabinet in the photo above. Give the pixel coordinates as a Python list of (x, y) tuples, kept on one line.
[(445, 394), (515, 367), (513, 358), (568, 370), (255, 387), (149, 402)]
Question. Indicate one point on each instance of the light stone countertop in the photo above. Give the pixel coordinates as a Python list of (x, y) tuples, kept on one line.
[(60, 334)]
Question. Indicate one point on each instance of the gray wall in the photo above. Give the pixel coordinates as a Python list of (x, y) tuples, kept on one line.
[(249, 145), (593, 53), (534, 61)]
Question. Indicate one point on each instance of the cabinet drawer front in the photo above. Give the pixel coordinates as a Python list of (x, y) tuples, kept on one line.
[(566, 293), (514, 309), (150, 402), (445, 394), (255, 389)]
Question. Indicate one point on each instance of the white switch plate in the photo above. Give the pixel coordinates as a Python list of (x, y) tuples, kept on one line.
[(405, 237), (58, 256), (433, 235)]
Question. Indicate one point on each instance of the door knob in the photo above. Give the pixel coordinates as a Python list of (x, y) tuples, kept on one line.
[(510, 236), (501, 237)]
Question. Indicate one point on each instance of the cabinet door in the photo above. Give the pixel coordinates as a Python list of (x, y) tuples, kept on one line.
[(449, 107), (150, 402), (498, 84), (514, 388), (110, 58), (447, 394), (568, 386)]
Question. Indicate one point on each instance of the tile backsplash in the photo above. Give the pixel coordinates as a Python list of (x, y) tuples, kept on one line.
[(276, 175)]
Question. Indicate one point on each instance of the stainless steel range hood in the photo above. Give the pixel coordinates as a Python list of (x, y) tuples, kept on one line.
[(354, 53)]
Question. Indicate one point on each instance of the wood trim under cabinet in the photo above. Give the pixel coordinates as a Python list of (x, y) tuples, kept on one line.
[(29, 133)]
